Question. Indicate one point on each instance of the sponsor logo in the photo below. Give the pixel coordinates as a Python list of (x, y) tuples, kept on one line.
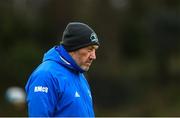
[(41, 89), (76, 94)]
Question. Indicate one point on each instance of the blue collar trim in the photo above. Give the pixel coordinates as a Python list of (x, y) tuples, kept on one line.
[(65, 55)]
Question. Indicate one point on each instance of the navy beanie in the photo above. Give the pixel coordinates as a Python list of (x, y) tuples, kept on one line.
[(78, 35)]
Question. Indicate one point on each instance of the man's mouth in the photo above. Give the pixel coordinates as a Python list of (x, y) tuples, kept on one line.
[(88, 63)]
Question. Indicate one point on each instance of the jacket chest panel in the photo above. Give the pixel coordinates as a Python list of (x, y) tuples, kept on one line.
[(75, 95)]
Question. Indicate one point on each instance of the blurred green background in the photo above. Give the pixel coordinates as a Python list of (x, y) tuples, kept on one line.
[(137, 71)]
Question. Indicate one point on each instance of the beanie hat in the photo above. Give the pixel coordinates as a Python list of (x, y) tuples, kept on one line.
[(78, 35)]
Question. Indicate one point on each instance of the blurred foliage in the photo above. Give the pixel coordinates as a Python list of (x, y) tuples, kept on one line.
[(137, 72)]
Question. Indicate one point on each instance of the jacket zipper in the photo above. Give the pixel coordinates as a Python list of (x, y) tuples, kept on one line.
[(81, 90)]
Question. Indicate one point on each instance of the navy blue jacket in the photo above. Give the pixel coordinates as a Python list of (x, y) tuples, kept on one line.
[(58, 88)]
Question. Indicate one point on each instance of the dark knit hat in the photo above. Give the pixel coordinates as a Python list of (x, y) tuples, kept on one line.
[(78, 35)]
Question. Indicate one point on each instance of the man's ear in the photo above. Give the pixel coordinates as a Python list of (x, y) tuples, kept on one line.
[(72, 53)]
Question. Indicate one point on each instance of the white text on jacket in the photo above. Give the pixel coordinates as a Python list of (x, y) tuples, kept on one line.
[(41, 89)]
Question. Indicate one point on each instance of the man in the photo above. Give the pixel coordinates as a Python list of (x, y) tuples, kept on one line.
[(58, 88)]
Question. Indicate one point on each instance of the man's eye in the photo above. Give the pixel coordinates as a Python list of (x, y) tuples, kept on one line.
[(89, 50)]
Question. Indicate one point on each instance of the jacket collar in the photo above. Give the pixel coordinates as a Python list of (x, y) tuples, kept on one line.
[(60, 55), (66, 59)]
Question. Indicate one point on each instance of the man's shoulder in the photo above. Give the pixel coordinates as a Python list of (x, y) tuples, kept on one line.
[(49, 66), (52, 68)]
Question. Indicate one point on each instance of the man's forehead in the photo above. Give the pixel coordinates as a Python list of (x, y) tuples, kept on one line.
[(94, 46)]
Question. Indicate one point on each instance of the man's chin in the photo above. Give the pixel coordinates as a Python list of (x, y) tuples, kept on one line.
[(85, 68)]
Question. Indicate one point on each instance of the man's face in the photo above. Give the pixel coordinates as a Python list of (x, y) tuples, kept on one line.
[(85, 56)]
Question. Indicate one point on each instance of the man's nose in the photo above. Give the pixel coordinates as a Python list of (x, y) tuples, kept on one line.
[(93, 55)]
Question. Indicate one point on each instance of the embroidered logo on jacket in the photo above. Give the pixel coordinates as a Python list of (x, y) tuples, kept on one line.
[(76, 94), (41, 89)]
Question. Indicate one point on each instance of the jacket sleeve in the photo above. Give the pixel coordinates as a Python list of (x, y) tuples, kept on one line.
[(42, 95)]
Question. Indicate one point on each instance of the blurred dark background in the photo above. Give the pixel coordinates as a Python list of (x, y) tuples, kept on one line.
[(137, 71)]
